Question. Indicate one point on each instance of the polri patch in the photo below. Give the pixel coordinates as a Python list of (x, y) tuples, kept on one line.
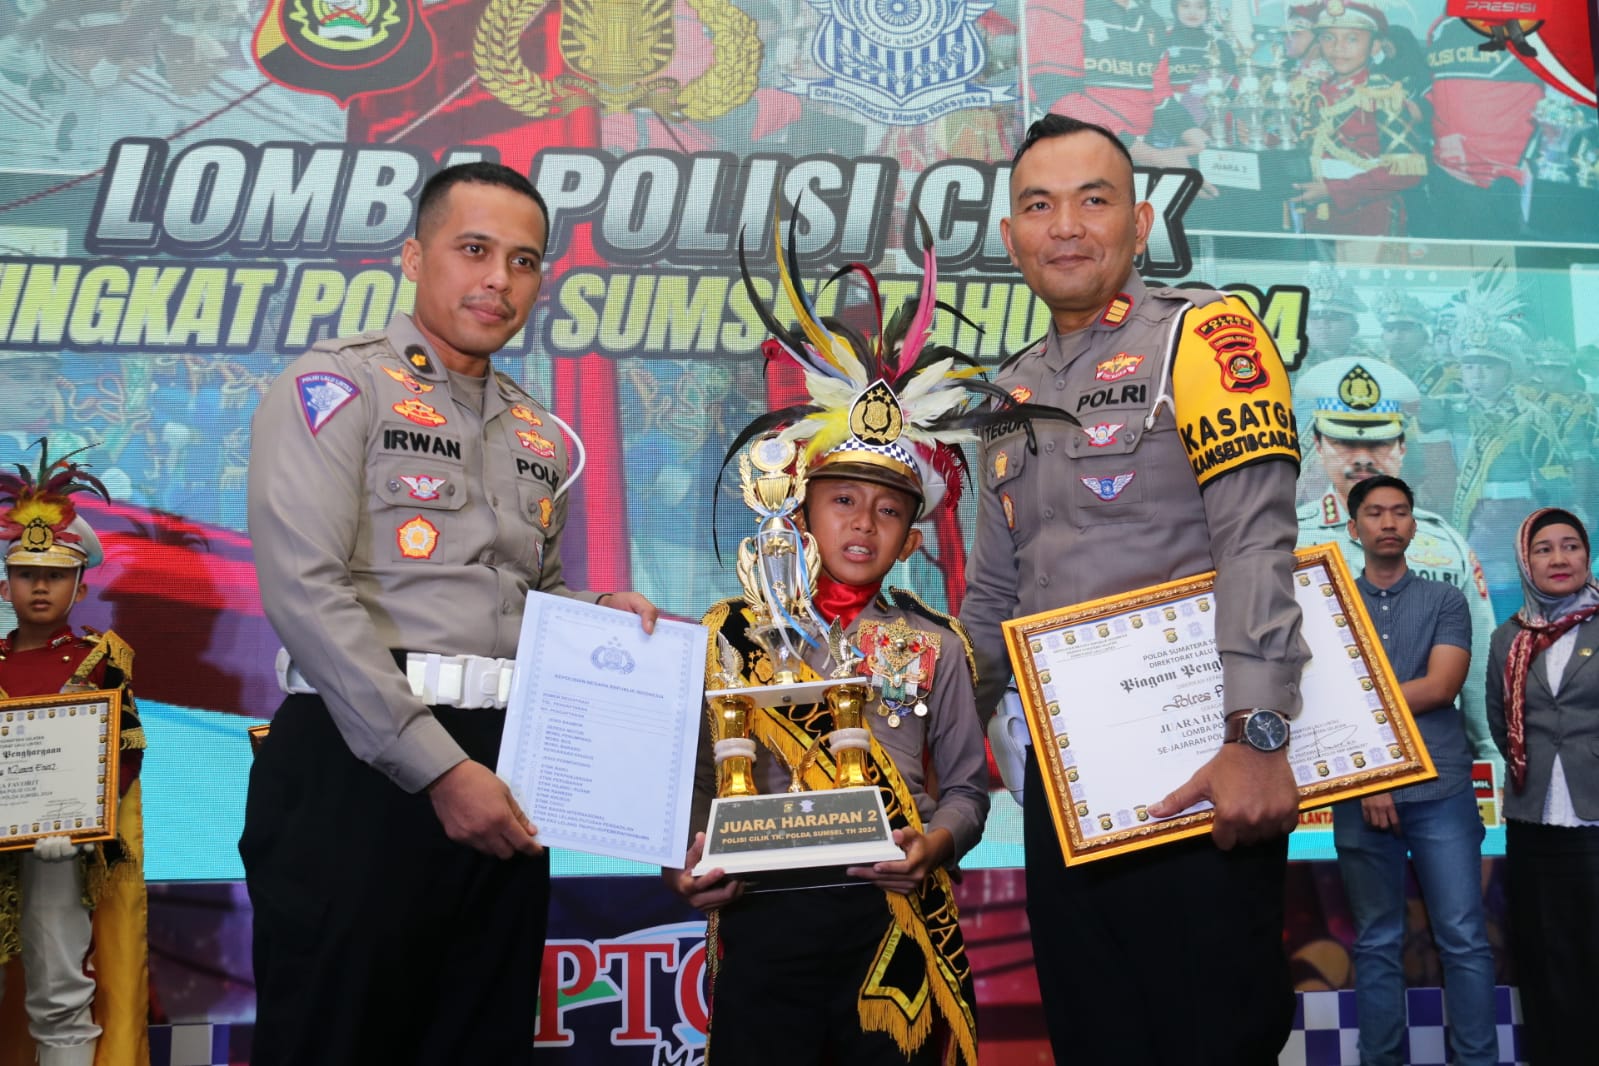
[(1108, 488), (418, 538), (321, 397), (1117, 367), (420, 413), (413, 386)]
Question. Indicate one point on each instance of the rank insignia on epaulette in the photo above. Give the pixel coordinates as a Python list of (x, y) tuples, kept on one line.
[(418, 538), (536, 444), (1116, 311), (417, 356), (412, 385), (1330, 511), (321, 397), (523, 413), (420, 413), (901, 662)]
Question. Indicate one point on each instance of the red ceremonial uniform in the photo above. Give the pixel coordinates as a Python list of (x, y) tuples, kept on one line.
[(1361, 133)]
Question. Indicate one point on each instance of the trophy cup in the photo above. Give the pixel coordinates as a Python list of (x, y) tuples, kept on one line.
[(1280, 114), (1216, 99), (800, 830)]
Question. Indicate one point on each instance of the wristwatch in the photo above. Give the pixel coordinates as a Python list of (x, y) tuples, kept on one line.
[(1260, 728)]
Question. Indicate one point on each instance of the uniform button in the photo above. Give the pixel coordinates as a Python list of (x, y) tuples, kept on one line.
[(1385, 606), (1043, 580), (507, 607), (494, 501), (1049, 445), (1049, 512), (449, 490), (394, 486), (1060, 385)]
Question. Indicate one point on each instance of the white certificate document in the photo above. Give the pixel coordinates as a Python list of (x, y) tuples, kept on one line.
[(602, 729)]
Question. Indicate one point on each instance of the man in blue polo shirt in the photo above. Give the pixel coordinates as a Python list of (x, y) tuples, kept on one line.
[(1425, 628)]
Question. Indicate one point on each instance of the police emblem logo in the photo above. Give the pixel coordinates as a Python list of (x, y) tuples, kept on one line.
[(1117, 367), (1232, 336), (1108, 488), (1171, 635), (1102, 435), (1116, 311), (1358, 390), (615, 52), (546, 510), (343, 48), (875, 417), (417, 539), (422, 486), (321, 397), (1001, 464), (420, 413), (523, 413), (540, 446), (902, 63), (1021, 394), (410, 383)]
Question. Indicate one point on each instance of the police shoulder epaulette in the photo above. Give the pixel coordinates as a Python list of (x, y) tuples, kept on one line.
[(341, 344), (1195, 296), (511, 387), (906, 600), (1030, 348), (108, 647)]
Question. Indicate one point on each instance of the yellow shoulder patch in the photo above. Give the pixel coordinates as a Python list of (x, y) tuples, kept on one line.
[(1230, 391)]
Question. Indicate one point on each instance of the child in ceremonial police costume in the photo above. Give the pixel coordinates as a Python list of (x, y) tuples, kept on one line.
[(59, 898), (874, 973)]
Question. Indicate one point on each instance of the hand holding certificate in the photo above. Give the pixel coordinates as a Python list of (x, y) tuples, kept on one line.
[(601, 729), (1124, 703)]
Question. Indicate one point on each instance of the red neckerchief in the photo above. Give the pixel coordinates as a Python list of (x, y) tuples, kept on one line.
[(835, 599)]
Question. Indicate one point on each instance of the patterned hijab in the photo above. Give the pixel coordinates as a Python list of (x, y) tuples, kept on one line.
[(1543, 619)]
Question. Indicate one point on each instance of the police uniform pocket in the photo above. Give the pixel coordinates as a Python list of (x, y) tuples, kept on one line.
[(1105, 491), (415, 499), (1004, 460)]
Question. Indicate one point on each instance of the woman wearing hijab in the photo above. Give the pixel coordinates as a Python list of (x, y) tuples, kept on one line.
[(1543, 710)]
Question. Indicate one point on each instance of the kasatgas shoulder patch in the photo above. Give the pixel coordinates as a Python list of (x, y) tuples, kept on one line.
[(1230, 391)]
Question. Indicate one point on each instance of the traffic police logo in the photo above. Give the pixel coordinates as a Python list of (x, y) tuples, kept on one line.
[(523, 413), (412, 385), (1232, 336), (616, 51), (536, 444), (1102, 435), (1108, 488), (1359, 390), (321, 396), (1117, 367), (900, 62), (422, 486), (343, 48), (875, 416), (419, 412), (418, 538)]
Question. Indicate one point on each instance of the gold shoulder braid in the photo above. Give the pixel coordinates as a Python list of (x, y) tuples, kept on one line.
[(921, 963)]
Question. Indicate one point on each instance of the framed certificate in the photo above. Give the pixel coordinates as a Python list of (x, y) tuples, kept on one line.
[(1124, 703), (58, 767)]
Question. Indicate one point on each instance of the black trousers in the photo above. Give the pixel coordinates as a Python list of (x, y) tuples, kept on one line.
[(1172, 956), (1552, 886), (792, 968), (377, 939)]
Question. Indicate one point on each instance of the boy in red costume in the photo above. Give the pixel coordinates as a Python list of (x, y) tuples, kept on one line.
[(56, 898)]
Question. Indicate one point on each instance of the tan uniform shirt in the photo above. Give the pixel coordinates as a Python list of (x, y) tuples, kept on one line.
[(1111, 507), (388, 514)]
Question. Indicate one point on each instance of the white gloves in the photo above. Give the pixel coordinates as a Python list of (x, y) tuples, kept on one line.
[(57, 849)]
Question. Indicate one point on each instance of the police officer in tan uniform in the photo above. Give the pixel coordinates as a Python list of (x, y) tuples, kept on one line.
[(403, 499), (1184, 462), (1359, 411)]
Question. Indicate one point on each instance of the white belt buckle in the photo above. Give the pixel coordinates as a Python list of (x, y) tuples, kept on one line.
[(480, 681)]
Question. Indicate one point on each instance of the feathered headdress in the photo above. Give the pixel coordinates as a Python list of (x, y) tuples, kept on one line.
[(1488, 316), (38, 520), (890, 406)]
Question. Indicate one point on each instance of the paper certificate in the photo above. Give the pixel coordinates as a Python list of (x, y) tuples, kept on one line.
[(1124, 703), (58, 767), (602, 729)]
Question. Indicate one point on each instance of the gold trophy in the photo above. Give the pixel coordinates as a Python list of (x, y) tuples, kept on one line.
[(751, 834)]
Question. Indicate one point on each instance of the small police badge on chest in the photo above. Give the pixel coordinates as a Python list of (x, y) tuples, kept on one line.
[(901, 661)]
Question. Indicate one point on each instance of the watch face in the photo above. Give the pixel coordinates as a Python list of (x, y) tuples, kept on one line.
[(1265, 731)]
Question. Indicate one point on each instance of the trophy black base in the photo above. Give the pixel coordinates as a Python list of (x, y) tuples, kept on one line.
[(797, 839)]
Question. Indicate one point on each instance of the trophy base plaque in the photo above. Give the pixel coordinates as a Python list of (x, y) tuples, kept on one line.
[(797, 839)]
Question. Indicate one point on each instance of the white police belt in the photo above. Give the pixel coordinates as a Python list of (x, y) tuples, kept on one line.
[(469, 681)]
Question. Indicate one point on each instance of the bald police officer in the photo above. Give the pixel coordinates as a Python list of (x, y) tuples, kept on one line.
[(1359, 410), (1184, 462), (403, 499)]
